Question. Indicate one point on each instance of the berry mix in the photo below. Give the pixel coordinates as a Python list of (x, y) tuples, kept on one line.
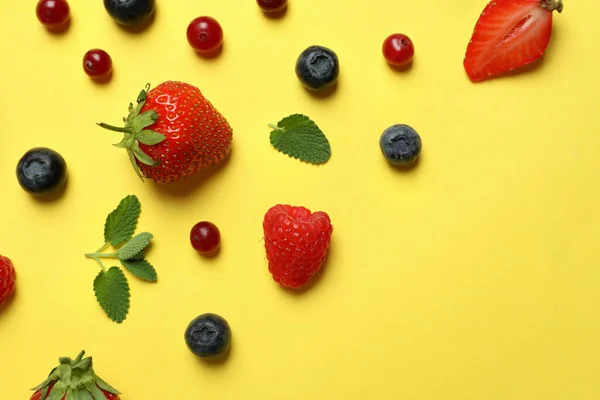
[(172, 131)]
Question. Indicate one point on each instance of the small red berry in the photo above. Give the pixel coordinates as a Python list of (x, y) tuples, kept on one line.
[(205, 237), (398, 49), (272, 5), (205, 34), (97, 63), (53, 13), (7, 278)]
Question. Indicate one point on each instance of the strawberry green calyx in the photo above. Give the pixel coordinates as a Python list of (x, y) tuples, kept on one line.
[(135, 132), (74, 379), (552, 5)]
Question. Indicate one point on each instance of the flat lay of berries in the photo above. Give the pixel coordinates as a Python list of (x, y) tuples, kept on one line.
[(427, 134)]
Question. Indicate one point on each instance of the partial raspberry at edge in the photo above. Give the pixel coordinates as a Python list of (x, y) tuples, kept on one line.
[(7, 278)]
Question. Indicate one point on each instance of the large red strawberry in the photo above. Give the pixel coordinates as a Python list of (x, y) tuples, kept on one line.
[(7, 279), (508, 35), (173, 132), (297, 243), (74, 379)]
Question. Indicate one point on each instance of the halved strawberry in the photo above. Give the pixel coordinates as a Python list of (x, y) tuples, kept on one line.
[(509, 34)]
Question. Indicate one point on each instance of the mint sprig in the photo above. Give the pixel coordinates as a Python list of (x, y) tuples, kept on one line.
[(110, 286), (299, 137)]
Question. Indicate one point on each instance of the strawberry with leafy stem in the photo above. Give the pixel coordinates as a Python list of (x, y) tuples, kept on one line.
[(173, 132), (74, 380), (509, 34), (110, 285)]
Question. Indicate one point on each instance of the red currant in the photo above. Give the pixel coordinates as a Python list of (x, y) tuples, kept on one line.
[(398, 49), (272, 5), (205, 237), (97, 63), (205, 34), (53, 13)]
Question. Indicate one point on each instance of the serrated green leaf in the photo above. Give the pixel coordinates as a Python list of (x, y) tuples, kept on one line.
[(112, 292), (58, 391), (95, 391), (105, 386), (150, 137), (300, 137), (141, 268), (139, 256), (122, 221), (134, 246)]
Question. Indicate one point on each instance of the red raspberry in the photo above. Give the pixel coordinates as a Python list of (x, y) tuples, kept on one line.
[(7, 278), (297, 243)]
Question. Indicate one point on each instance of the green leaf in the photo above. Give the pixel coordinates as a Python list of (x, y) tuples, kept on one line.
[(105, 386), (83, 364), (58, 391), (143, 157), (122, 221), (139, 256), (133, 247), (150, 137), (299, 137), (134, 164), (95, 391), (143, 120), (79, 393), (141, 268), (112, 292)]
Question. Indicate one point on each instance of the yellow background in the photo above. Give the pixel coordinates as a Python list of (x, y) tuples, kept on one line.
[(475, 275)]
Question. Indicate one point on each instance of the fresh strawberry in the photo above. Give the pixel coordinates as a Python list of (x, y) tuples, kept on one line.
[(173, 132), (297, 243), (509, 34), (7, 278), (74, 379)]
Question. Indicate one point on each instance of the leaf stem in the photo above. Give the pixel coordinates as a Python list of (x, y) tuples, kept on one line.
[(104, 247), (275, 127), (101, 255), (114, 128), (97, 260)]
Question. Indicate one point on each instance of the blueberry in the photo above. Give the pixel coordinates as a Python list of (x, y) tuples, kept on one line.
[(400, 144), (317, 68), (42, 171), (208, 336), (130, 12)]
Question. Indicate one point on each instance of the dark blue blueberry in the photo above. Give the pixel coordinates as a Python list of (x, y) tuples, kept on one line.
[(400, 144), (130, 12), (41, 171), (208, 336), (317, 68)]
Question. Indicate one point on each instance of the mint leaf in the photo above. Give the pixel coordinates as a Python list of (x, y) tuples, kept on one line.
[(139, 256), (134, 246), (112, 292), (122, 221), (141, 268), (299, 137)]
